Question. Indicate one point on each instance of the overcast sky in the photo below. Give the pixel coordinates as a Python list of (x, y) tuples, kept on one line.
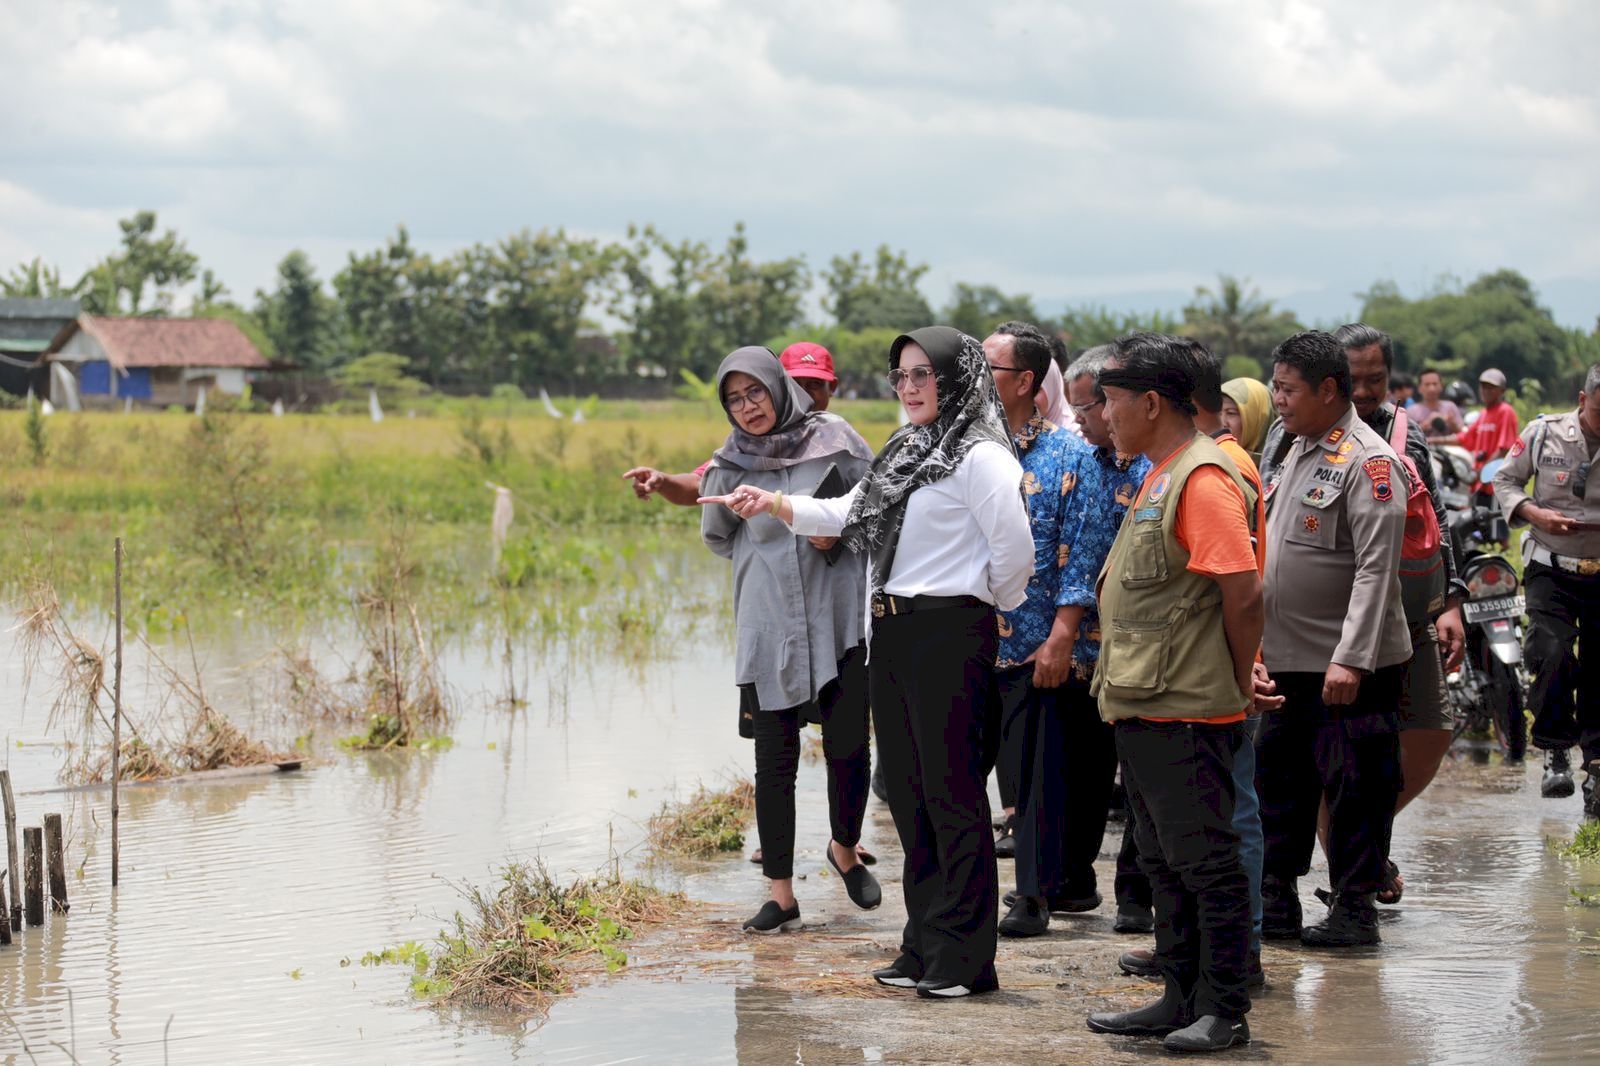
[(1117, 153)]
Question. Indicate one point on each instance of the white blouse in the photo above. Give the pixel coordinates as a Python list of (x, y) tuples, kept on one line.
[(966, 535)]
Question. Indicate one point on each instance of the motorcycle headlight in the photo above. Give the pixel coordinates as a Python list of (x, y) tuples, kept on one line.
[(1491, 581)]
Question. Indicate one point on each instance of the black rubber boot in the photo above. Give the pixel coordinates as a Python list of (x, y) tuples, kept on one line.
[(1352, 921), (1280, 908), (1166, 1015), (1210, 1033)]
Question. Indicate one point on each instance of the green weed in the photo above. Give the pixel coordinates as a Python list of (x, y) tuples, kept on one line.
[(1585, 843), (704, 824)]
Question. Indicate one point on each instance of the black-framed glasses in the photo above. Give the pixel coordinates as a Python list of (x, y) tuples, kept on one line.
[(735, 401), (917, 377), (1010, 369), (1081, 409)]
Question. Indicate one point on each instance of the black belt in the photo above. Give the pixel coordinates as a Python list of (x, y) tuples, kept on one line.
[(885, 604)]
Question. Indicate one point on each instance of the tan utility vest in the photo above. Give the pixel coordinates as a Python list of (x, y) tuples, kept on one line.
[(1164, 652)]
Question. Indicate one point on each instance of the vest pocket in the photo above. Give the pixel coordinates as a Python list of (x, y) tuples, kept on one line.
[(1138, 653), (1147, 558)]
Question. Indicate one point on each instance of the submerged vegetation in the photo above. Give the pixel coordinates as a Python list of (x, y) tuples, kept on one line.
[(704, 824), (526, 940)]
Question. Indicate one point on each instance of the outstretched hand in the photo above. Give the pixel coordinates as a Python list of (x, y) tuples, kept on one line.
[(746, 501), (645, 480)]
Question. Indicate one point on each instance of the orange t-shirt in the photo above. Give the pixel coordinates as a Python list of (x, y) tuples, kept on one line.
[(1211, 526), (1247, 467)]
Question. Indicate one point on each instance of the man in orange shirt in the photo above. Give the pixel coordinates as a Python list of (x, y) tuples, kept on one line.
[(1181, 618)]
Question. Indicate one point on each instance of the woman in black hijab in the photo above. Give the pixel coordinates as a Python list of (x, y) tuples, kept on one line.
[(799, 616), (941, 518)]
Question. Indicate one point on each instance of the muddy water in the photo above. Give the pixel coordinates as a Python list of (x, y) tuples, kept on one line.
[(241, 899)]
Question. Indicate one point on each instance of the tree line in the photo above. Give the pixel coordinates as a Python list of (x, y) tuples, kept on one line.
[(580, 315)]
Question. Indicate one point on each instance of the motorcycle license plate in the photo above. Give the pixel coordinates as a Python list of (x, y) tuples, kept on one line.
[(1489, 610)]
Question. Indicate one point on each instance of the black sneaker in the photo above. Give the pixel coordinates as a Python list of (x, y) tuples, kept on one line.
[(1026, 918), (1133, 919), (1209, 1033), (985, 982), (891, 977), (772, 918), (859, 884), (1557, 783), (1005, 838)]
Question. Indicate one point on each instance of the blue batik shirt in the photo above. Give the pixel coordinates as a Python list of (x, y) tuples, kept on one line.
[(1050, 459), (1105, 485)]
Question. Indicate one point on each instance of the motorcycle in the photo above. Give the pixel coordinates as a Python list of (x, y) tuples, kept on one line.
[(1488, 689)]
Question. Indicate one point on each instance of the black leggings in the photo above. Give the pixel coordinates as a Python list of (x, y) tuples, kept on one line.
[(842, 709)]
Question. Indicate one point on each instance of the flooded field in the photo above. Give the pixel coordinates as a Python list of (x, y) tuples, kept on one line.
[(246, 904)]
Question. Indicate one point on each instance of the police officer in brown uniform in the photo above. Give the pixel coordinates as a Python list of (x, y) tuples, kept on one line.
[(1562, 580), (1336, 643)]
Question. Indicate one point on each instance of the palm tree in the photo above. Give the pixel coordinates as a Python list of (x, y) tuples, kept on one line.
[(1233, 320)]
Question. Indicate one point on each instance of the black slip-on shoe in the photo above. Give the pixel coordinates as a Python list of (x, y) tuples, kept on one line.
[(859, 884), (1133, 919), (772, 918), (1025, 918), (956, 990), (1140, 962), (891, 977), (1166, 1015), (1209, 1033), (1557, 783), (1076, 904)]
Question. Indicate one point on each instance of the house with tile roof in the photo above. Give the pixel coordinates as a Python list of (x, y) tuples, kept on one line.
[(27, 326), (154, 361)]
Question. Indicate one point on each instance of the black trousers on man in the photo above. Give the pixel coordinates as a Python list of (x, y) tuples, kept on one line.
[(1351, 755), (931, 678), (1563, 608), (1069, 767), (1131, 885), (1179, 778), (841, 708)]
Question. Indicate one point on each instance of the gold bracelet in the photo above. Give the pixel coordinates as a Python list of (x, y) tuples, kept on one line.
[(777, 502)]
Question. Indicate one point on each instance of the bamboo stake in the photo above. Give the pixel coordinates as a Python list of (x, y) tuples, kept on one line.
[(11, 849), (116, 731)]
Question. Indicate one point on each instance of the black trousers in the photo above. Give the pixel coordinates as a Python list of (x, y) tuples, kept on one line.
[(1012, 690), (932, 688), (1069, 768), (1131, 885), (842, 710), (1350, 755), (1180, 786), (1564, 608)]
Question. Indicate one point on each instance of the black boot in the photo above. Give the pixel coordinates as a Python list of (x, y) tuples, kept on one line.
[(1280, 908), (1557, 783), (1027, 917), (1210, 1033), (1166, 1015), (1352, 921)]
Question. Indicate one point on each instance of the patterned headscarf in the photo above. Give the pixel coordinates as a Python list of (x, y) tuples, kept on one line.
[(969, 412), (798, 433)]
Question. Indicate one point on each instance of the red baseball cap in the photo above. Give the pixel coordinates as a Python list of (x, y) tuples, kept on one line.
[(807, 360)]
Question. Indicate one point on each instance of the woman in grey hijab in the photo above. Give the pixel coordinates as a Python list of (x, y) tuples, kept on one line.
[(799, 617)]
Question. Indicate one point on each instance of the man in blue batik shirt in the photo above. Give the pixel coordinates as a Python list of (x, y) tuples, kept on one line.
[(1060, 770)]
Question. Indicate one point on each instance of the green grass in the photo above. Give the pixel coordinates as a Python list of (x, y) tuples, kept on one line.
[(1585, 843), (704, 824)]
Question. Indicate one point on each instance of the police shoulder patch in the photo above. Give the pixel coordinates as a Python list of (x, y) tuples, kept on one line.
[(1378, 470), (1518, 448)]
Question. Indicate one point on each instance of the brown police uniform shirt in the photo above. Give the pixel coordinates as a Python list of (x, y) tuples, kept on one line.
[(1335, 519), (1552, 451)]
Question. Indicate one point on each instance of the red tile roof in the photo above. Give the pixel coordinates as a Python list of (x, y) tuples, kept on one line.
[(198, 342)]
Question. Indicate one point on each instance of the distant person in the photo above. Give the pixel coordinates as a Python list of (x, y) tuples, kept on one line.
[(1247, 412), (798, 613), (1495, 430), (941, 518), (1439, 418), (1401, 389)]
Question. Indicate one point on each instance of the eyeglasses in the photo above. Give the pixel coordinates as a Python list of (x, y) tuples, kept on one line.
[(1010, 369), (754, 394), (1081, 409), (917, 377)]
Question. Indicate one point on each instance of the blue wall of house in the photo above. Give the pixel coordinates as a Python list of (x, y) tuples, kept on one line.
[(136, 384), (95, 380)]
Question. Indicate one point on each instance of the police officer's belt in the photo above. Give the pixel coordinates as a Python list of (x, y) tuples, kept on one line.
[(884, 604), (1546, 557)]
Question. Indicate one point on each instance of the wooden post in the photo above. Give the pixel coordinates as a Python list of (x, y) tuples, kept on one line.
[(116, 733), (5, 916), (11, 849), (33, 874), (55, 861)]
